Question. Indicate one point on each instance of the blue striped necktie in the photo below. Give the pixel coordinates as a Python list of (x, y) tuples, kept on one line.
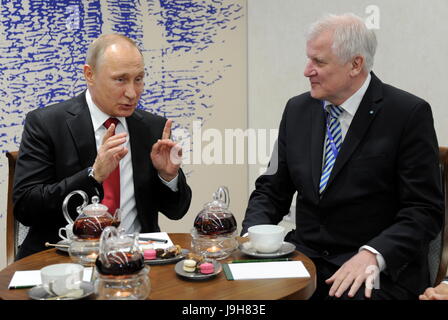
[(334, 126)]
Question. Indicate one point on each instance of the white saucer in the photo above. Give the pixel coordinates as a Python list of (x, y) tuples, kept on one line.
[(285, 249), (39, 293), (63, 242), (179, 268)]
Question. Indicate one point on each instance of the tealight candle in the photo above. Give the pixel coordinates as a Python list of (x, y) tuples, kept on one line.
[(92, 256), (213, 249), (122, 294)]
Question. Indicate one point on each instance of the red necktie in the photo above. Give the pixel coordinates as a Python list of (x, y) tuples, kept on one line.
[(111, 185)]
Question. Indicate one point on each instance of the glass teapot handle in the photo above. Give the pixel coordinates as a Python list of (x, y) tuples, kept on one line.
[(136, 246), (107, 233), (78, 209), (222, 194)]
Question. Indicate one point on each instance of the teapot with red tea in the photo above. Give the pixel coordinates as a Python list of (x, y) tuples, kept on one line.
[(92, 219), (120, 268), (215, 227)]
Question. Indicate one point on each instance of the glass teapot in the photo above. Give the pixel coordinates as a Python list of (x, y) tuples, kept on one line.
[(120, 269), (92, 219), (215, 218), (120, 253), (214, 232)]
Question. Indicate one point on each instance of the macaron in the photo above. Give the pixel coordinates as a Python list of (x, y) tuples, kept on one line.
[(149, 254), (189, 265), (206, 268)]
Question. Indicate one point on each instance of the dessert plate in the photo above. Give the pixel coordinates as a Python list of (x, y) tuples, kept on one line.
[(285, 249), (159, 261), (179, 268), (39, 293)]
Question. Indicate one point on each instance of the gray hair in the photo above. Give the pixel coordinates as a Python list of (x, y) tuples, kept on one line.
[(99, 45), (351, 37)]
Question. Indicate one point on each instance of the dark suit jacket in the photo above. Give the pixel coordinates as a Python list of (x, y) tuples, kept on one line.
[(384, 190), (58, 145)]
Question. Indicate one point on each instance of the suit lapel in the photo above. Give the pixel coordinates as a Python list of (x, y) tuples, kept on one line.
[(139, 148), (317, 139), (360, 124), (80, 126)]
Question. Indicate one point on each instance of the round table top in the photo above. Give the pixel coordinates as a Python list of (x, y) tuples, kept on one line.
[(167, 285)]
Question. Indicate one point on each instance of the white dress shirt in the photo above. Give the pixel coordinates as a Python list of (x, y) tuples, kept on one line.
[(349, 107), (129, 220)]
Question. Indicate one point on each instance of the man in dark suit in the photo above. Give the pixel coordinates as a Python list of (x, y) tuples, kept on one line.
[(363, 159), (67, 147)]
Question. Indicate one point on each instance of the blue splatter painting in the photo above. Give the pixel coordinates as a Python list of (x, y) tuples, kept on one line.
[(43, 44)]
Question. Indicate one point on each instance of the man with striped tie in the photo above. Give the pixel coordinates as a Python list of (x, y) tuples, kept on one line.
[(363, 158)]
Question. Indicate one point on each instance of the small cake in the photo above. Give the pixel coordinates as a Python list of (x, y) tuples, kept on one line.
[(195, 257), (206, 268), (149, 254), (159, 253), (189, 265)]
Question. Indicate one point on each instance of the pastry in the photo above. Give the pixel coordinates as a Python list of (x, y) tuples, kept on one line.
[(159, 253), (189, 265), (168, 253), (195, 257), (206, 268)]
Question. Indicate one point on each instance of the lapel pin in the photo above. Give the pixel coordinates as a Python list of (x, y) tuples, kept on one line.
[(372, 112)]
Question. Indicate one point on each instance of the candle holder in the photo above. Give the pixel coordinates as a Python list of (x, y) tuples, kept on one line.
[(124, 287), (83, 251), (215, 247)]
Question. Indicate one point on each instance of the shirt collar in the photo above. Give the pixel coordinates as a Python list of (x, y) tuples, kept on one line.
[(97, 115), (351, 105)]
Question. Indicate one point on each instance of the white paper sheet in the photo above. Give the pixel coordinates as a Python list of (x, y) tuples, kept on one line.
[(268, 270), (31, 278), (153, 244)]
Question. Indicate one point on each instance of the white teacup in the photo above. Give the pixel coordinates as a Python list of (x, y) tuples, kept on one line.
[(60, 279), (266, 238), (68, 229)]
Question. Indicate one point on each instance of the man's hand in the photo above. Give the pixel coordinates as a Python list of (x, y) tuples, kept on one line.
[(109, 154), (166, 155), (438, 293), (353, 274)]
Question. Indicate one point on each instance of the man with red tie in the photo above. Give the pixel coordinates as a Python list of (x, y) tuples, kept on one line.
[(100, 143)]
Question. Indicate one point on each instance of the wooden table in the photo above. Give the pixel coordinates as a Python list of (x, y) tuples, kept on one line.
[(166, 285)]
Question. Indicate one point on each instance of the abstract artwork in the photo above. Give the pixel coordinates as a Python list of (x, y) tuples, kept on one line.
[(43, 45)]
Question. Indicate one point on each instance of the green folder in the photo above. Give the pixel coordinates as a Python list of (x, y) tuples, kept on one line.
[(227, 271)]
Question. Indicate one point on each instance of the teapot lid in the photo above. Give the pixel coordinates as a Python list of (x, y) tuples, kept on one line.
[(96, 206), (216, 204), (220, 200)]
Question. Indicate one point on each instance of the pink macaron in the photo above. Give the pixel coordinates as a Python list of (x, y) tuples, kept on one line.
[(207, 268), (149, 254)]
